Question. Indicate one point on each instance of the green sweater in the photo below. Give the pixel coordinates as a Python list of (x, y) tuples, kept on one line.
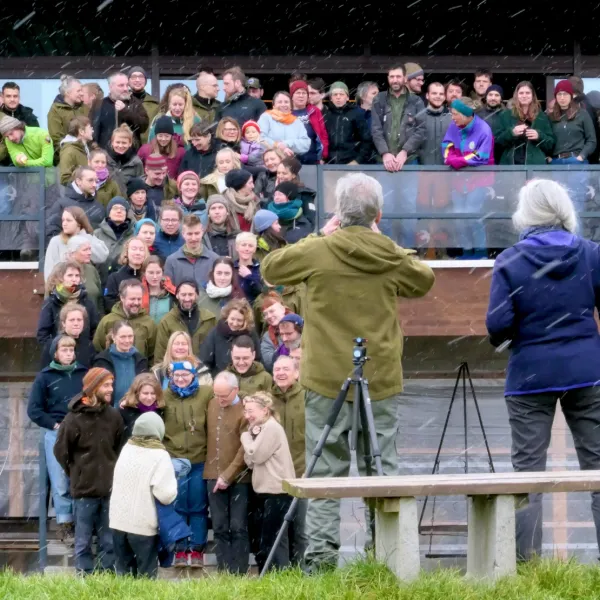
[(36, 145), (535, 151), (353, 278)]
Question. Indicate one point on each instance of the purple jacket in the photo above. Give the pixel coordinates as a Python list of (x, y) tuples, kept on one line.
[(251, 153)]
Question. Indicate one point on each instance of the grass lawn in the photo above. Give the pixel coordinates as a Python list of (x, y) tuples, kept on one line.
[(545, 580)]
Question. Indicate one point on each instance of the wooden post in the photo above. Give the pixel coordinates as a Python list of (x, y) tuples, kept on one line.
[(155, 72), (397, 536)]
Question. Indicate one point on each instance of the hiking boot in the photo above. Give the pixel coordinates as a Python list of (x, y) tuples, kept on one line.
[(196, 559), (181, 560), (66, 534)]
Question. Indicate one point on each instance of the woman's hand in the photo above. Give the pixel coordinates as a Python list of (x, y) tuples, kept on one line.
[(244, 271), (532, 134), (519, 130)]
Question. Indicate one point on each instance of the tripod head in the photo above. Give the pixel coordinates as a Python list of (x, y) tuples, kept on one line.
[(359, 353)]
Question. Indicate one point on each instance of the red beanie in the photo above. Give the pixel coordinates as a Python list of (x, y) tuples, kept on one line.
[(156, 161), (187, 175), (299, 84), (250, 124), (564, 86)]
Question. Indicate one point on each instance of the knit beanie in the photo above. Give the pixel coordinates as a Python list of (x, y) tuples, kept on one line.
[(289, 188), (297, 320), (117, 201), (561, 86), (8, 124), (138, 225), (93, 379), (339, 85), (134, 185), (187, 175), (54, 344), (413, 70), (299, 84), (495, 88), (217, 199), (137, 70), (184, 365), (250, 124), (149, 424), (164, 124), (263, 219), (237, 179), (156, 161)]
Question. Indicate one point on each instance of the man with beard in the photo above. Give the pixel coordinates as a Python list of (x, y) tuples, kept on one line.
[(490, 112), (137, 84), (239, 104), (186, 317)]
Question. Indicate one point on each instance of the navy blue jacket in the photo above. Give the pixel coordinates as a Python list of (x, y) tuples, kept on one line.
[(51, 393), (165, 245), (251, 286), (542, 299)]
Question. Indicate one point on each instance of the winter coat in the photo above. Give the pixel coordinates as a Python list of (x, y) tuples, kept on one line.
[(317, 122), (576, 135), (177, 127), (57, 252), (130, 415), (23, 113), (436, 125), (150, 104), (251, 153), (294, 298), (111, 292), (252, 285), (591, 111), (107, 191), (114, 245), (336, 264), (253, 380), (543, 294), (157, 193), (295, 230), (165, 244), (106, 118), (84, 352), (185, 424), (73, 153), (124, 167), (36, 145), (105, 360), (241, 107), (60, 116), (492, 117), (201, 163), (173, 164), (173, 321), (87, 447), (290, 409), (349, 136), (143, 327), (215, 351), (212, 305), (206, 109), (51, 393), (94, 211), (221, 243), (534, 152), (172, 528), (93, 286), (179, 268), (294, 135), (412, 128), (264, 185)]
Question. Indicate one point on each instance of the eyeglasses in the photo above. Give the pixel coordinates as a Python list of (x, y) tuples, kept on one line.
[(182, 377), (170, 220), (230, 129)]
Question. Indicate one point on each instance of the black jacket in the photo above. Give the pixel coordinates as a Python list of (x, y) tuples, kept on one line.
[(106, 119), (129, 414), (264, 186), (49, 321), (349, 136), (201, 163), (104, 359), (296, 230), (51, 393), (84, 352), (221, 243), (242, 108), (585, 103), (91, 207), (111, 291), (87, 448), (23, 113)]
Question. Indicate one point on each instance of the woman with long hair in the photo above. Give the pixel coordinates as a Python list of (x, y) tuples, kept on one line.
[(229, 134), (144, 395), (225, 161), (165, 143), (123, 162), (75, 148), (182, 114), (524, 131), (159, 291), (265, 182), (74, 221), (222, 286), (267, 229), (221, 226)]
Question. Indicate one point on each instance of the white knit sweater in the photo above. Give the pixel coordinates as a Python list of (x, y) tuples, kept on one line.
[(141, 475)]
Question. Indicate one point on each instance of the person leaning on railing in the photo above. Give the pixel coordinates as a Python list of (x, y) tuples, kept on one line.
[(32, 150)]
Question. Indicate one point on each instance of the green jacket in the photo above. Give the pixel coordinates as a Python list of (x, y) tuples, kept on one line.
[(173, 322), (290, 408), (185, 424), (115, 247), (253, 380), (59, 117), (93, 287), (205, 111), (106, 192), (150, 104), (535, 151), (72, 155), (36, 145), (353, 278), (143, 327), (294, 297)]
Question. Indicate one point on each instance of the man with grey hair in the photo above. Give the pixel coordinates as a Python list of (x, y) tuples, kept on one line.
[(117, 108), (354, 277)]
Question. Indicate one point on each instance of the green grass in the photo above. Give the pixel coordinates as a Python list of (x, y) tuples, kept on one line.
[(545, 580)]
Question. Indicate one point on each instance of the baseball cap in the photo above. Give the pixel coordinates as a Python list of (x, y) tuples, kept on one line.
[(254, 82)]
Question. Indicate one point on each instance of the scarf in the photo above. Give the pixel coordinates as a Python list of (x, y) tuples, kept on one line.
[(216, 292), (536, 230), (146, 441), (246, 206), (144, 409), (189, 253), (214, 228), (185, 392), (66, 368), (285, 118), (102, 175), (122, 159), (226, 331), (67, 294), (288, 211)]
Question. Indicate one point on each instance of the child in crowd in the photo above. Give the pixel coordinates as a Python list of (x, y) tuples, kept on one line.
[(251, 149)]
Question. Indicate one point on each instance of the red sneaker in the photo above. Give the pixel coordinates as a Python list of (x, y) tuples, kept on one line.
[(181, 560), (196, 559)]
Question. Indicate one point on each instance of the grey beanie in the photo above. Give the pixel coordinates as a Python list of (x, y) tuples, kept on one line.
[(149, 425), (137, 70), (8, 124), (217, 199), (263, 219)]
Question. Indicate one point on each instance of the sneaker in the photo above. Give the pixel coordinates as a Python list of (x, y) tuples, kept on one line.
[(196, 559), (66, 533), (181, 560)]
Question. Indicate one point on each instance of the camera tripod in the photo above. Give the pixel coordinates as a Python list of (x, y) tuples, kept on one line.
[(362, 417)]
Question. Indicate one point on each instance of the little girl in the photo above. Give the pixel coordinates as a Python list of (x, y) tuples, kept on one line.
[(267, 453), (106, 188), (251, 149)]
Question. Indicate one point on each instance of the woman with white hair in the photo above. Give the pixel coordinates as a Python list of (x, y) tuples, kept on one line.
[(543, 295)]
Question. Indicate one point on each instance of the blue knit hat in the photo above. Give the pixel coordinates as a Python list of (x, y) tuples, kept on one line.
[(263, 219), (117, 201), (138, 225), (184, 365), (297, 320)]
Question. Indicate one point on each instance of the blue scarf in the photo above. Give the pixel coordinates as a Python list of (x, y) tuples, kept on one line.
[(536, 230), (185, 392), (287, 211), (124, 363)]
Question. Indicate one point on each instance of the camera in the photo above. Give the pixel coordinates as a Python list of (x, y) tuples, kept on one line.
[(359, 353)]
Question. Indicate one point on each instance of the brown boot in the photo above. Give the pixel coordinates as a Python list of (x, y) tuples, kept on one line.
[(66, 533)]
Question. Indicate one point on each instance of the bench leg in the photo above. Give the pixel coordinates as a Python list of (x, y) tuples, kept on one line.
[(491, 551), (397, 536)]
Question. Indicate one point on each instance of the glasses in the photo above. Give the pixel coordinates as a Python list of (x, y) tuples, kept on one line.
[(182, 377), (230, 129), (170, 220)]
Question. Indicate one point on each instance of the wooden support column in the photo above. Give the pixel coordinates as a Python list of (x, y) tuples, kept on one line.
[(155, 72)]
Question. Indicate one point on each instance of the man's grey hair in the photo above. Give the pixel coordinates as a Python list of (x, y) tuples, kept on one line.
[(66, 81), (114, 75), (363, 88), (229, 378), (358, 200), (543, 202)]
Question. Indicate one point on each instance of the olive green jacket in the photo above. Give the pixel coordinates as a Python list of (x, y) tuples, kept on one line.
[(294, 297), (150, 104), (72, 155), (290, 409), (106, 192), (59, 117), (255, 379)]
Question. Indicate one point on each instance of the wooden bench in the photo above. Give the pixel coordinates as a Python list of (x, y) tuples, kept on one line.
[(491, 549)]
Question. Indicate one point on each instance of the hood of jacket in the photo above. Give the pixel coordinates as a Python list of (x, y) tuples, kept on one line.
[(205, 103), (76, 405), (59, 101), (69, 139), (554, 253), (364, 250)]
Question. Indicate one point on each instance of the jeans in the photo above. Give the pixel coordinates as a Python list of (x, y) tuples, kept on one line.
[(470, 233), (229, 513), (531, 417), (270, 511), (136, 555), (575, 181), (91, 514), (192, 505), (59, 482)]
